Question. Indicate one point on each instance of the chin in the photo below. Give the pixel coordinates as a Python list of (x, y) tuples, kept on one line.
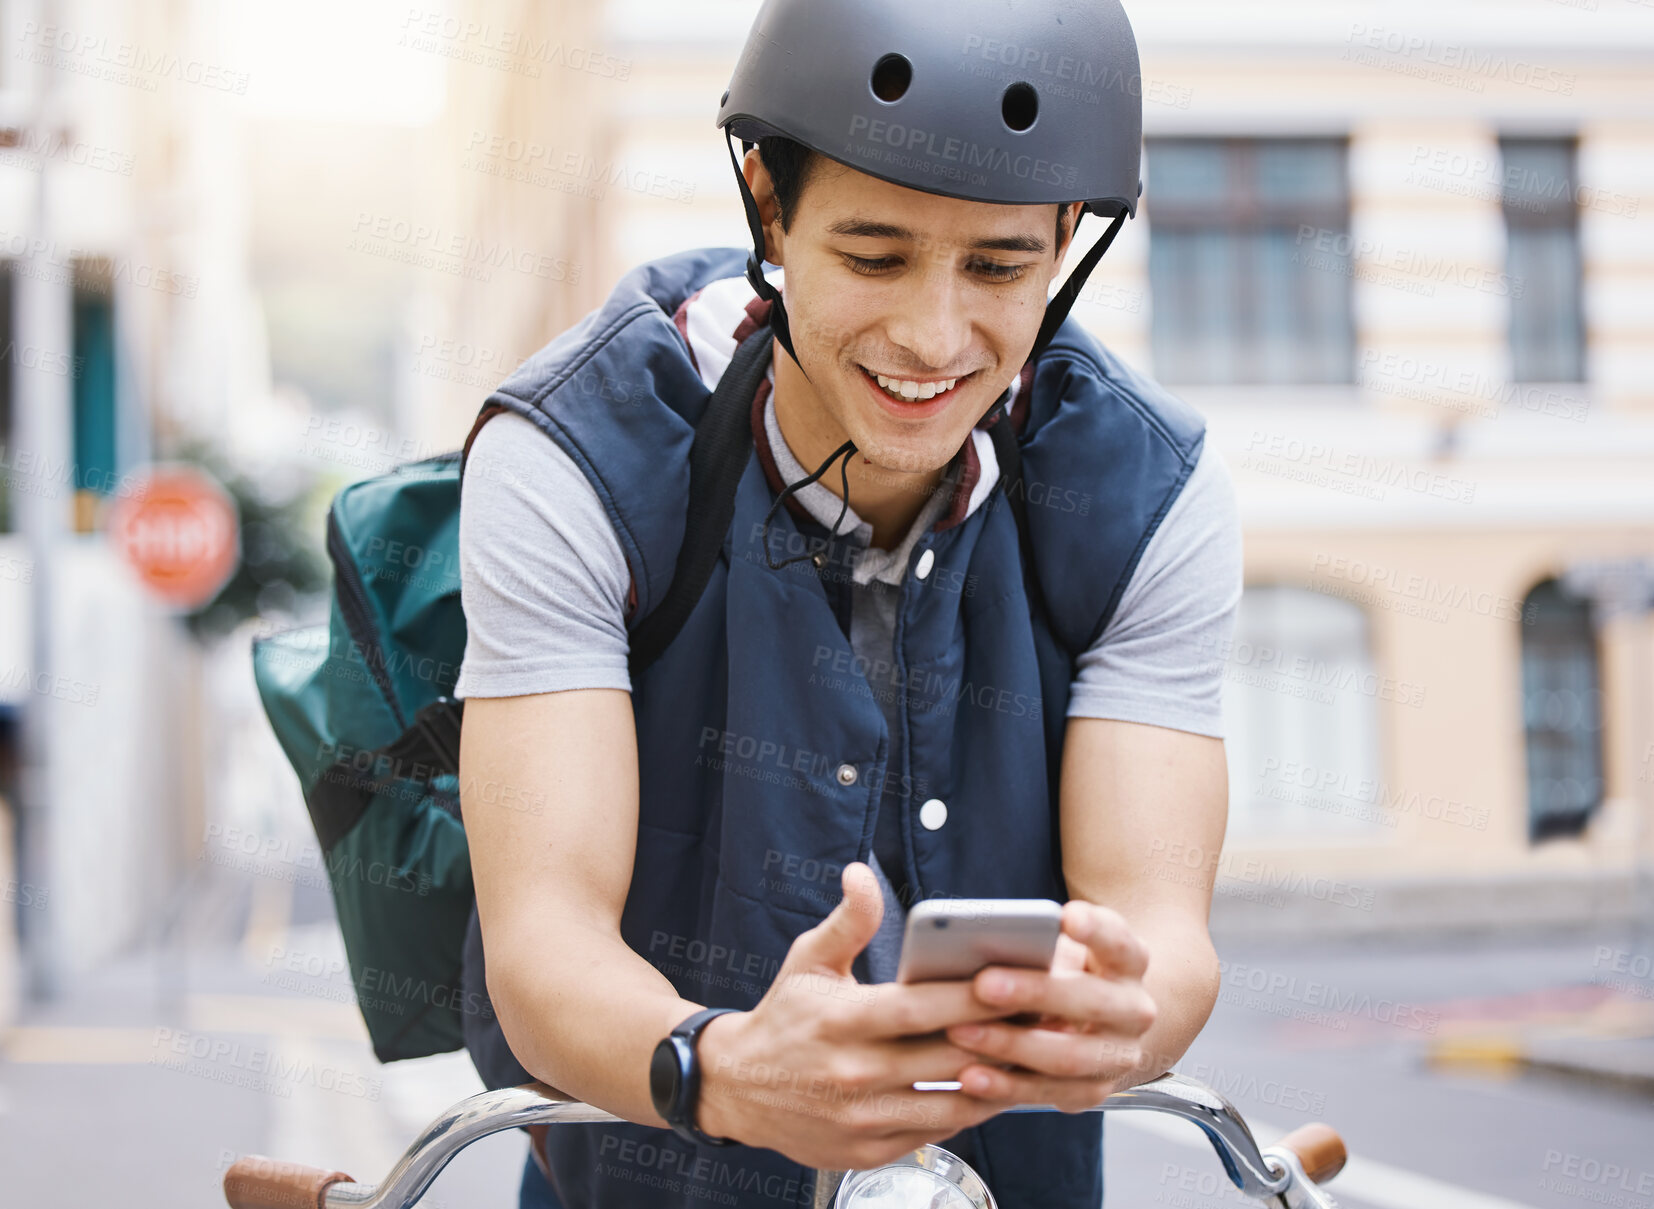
[(920, 447), (907, 455)]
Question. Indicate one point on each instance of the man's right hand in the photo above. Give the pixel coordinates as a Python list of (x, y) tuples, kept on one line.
[(822, 1069)]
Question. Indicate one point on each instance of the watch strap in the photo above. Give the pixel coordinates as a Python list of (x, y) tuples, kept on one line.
[(689, 1096)]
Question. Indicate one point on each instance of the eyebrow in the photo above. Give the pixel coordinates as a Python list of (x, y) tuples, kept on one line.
[(866, 228)]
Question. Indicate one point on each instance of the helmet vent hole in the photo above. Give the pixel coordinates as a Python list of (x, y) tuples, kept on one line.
[(891, 77), (1020, 106)]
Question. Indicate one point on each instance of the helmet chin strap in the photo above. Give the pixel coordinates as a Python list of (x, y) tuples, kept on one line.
[(1056, 312), (845, 451), (784, 336), (755, 267)]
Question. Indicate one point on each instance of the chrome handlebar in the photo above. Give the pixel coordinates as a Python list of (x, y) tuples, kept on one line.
[(1259, 1174)]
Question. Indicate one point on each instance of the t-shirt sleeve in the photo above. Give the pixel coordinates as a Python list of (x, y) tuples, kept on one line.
[(542, 576), (1153, 662)]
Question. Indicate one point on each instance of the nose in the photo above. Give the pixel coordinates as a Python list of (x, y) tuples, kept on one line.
[(932, 321)]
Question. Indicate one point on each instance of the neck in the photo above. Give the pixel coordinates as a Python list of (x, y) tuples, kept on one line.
[(889, 500)]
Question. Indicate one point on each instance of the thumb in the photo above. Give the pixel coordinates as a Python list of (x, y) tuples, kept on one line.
[(834, 943)]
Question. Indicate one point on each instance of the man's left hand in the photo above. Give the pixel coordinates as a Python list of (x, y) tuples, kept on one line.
[(1090, 1013)]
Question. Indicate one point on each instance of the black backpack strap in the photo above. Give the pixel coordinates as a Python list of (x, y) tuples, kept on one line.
[(1009, 455), (1056, 660), (426, 750), (717, 459)]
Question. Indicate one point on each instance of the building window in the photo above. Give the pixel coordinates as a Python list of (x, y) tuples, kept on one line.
[(1561, 711), (1250, 260), (94, 391), (1301, 718), (1547, 327)]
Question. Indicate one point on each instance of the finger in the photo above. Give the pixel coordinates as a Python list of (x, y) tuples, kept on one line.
[(944, 1121), (1070, 956), (871, 1112), (852, 1070), (833, 944), (926, 1115), (1111, 941), (923, 1060), (896, 1009), (1020, 1087), (1084, 999), (1051, 1052)]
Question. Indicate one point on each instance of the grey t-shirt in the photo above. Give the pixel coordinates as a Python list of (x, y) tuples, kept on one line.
[(544, 584)]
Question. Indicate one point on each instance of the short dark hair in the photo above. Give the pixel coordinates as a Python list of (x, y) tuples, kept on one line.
[(790, 163)]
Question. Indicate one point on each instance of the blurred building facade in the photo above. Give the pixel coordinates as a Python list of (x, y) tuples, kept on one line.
[(516, 174), (1418, 320), (1400, 256), (124, 317)]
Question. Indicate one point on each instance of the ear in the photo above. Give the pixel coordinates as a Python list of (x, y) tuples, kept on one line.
[(1074, 209), (769, 209)]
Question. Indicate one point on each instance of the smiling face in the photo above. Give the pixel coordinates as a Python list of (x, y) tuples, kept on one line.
[(910, 313)]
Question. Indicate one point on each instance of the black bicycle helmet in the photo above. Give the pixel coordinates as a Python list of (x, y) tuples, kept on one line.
[(1016, 102)]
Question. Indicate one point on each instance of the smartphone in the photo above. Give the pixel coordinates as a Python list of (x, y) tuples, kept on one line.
[(953, 938)]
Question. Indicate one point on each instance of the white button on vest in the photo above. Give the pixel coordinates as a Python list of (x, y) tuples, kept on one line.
[(846, 774), (933, 813), (927, 560)]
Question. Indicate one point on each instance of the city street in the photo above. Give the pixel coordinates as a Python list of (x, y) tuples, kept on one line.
[(1425, 1136), (162, 1069), (1278, 537)]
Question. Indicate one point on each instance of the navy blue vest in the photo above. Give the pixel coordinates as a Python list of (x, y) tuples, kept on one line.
[(752, 722)]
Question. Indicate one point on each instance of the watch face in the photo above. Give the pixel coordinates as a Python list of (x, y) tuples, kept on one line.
[(665, 1077)]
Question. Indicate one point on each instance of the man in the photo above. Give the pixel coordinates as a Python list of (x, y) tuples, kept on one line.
[(874, 702)]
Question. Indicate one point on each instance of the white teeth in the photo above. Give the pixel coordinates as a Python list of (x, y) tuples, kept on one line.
[(915, 390)]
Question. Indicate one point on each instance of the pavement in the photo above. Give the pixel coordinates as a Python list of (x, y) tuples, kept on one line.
[(141, 1087), (1628, 1061), (1361, 1036), (1598, 1033)]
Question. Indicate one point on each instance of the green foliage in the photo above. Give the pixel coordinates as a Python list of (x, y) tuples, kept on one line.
[(283, 574)]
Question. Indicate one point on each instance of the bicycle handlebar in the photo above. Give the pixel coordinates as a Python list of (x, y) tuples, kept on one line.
[(1318, 1149), (255, 1182), (1289, 1170)]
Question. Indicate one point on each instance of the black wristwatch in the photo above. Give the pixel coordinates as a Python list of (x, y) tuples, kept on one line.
[(675, 1078)]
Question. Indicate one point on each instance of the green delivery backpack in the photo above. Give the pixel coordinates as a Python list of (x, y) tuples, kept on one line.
[(363, 707), (363, 711)]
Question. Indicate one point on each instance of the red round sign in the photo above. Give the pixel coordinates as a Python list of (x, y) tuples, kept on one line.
[(178, 530)]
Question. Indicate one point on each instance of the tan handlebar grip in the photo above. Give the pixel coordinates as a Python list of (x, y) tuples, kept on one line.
[(255, 1182), (1319, 1149)]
